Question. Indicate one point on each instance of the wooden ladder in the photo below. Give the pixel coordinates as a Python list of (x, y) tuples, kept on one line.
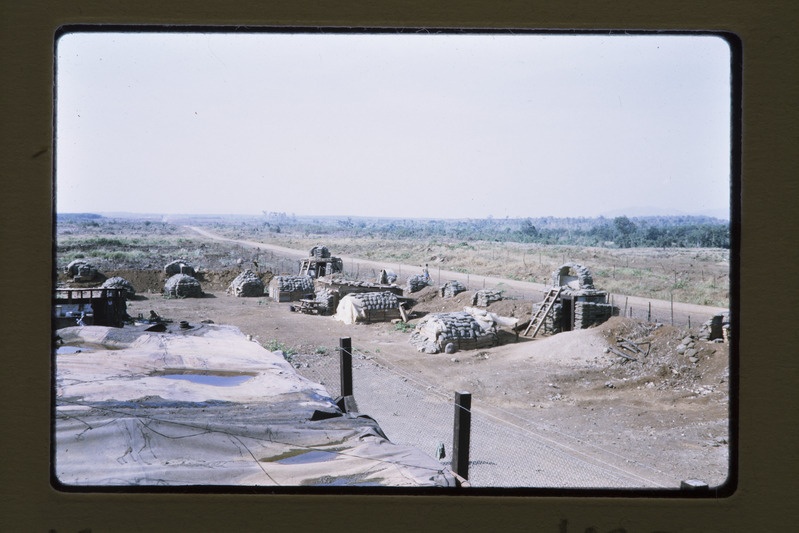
[(543, 310)]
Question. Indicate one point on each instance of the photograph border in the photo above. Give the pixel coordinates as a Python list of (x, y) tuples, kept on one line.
[(766, 399)]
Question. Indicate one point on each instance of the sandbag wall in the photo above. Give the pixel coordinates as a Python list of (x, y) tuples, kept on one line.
[(553, 320), (417, 283), (290, 288), (452, 288), (326, 301), (485, 297), (378, 306), (587, 314)]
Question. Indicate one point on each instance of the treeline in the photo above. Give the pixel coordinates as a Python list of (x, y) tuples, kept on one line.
[(618, 232)]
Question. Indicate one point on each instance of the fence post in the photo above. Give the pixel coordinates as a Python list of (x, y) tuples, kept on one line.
[(649, 313), (461, 434), (672, 308), (345, 364)]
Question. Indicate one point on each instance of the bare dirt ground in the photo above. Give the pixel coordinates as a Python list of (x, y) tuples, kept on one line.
[(663, 411)]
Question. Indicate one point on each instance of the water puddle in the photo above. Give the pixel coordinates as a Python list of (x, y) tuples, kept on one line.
[(216, 378), (316, 456), (342, 481), (69, 349)]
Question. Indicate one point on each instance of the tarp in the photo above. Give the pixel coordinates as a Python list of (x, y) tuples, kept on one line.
[(205, 406), (349, 310)]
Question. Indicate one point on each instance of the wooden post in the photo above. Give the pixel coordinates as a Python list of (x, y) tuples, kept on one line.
[(649, 313), (345, 365), (672, 308), (461, 434)]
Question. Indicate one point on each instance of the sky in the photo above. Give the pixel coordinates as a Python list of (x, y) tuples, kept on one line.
[(409, 125)]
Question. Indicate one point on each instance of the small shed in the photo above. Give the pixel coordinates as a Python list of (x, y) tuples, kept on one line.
[(246, 284), (90, 307), (291, 288), (183, 286)]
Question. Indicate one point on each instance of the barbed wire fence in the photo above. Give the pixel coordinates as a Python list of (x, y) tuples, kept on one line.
[(653, 311), (505, 451)]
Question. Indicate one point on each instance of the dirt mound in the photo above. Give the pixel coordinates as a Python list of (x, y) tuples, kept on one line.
[(671, 358), (142, 280), (429, 300)]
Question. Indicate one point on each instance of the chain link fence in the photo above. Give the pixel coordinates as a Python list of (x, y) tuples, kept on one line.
[(506, 450)]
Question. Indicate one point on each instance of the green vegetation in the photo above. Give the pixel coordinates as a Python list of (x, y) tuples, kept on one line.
[(274, 345), (619, 232), (403, 327)]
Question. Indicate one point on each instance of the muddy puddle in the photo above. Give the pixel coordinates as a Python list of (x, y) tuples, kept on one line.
[(216, 378)]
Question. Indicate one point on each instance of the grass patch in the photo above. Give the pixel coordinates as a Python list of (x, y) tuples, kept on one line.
[(274, 345)]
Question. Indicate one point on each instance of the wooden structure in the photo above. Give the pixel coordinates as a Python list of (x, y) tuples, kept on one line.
[(543, 310), (97, 306), (316, 267)]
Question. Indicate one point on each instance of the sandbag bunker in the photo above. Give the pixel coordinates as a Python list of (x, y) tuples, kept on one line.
[(369, 307), (469, 329)]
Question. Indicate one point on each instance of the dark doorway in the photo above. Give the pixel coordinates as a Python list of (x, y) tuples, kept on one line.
[(567, 314)]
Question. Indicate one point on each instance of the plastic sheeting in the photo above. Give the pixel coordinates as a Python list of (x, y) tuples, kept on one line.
[(349, 310), (141, 408)]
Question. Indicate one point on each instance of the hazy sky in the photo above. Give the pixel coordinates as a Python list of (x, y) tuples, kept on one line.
[(411, 125)]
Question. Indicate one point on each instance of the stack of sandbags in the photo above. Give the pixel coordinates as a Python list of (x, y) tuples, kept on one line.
[(436, 332), (81, 270), (117, 282), (320, 252), (417, 283), (183, 286), (248, 283), (587, 314), (290, 288), (485, 297), (552, 322), (325, 301), (716, 328), (179, 266), (377, 300), (452, 288)]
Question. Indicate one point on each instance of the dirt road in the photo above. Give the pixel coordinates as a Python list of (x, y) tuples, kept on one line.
[(676, 313)]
